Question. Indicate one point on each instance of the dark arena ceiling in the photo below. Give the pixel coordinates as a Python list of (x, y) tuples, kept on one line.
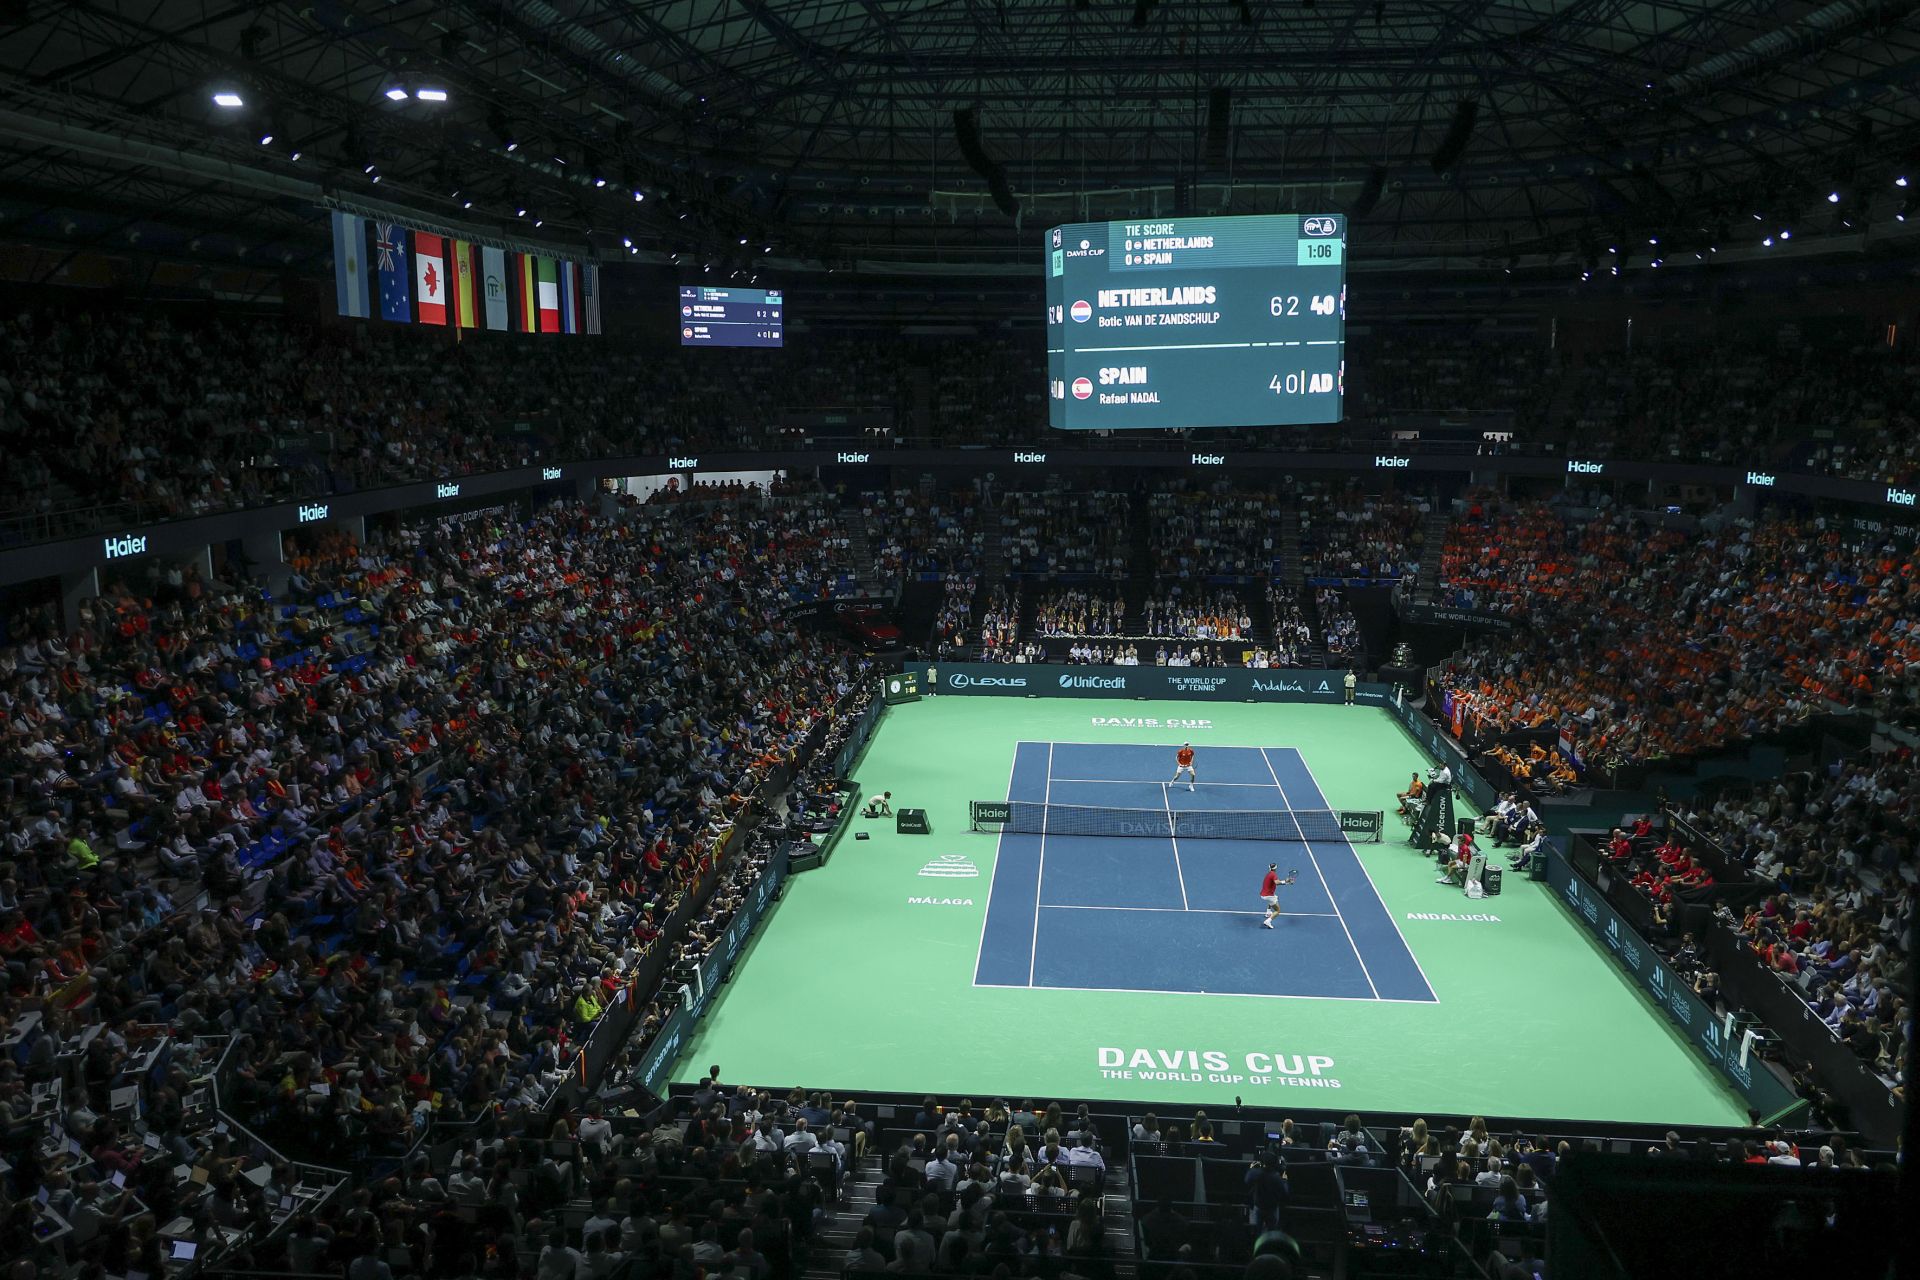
[(1457, 132)]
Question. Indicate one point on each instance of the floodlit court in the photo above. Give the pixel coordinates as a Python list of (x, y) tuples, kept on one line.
[(1078, 965), (1047, 921)]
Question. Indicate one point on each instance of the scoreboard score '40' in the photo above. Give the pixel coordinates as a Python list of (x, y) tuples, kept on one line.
[(1196, 322)]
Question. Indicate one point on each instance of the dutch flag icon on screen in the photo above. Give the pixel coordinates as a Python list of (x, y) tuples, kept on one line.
[(1082, 311)]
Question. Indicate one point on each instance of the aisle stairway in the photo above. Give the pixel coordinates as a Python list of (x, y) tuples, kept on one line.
[(1433, 542)]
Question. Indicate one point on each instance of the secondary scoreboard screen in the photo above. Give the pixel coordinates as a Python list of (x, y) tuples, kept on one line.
[(711, 317), (1197, 322)]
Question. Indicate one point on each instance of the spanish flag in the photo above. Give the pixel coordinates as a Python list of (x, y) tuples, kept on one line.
[(466, 313)]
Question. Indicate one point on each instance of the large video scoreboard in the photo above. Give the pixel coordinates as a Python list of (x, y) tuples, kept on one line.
[(1197, 322), (726, 317)]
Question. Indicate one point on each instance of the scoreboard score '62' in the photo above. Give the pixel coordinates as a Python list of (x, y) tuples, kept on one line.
[(1197, 322)]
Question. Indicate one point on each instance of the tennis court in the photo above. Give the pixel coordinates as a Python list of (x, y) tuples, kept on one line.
[(1192, 919), (955, 963)]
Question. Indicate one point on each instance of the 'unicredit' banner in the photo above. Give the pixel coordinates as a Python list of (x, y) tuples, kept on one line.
[(1206, 684)]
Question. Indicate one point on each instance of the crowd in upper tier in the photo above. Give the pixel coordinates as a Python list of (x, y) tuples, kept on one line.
[(1645, 641), (109, 415), (400, 833)]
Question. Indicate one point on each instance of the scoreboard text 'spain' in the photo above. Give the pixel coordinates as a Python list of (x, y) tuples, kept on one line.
[(1196, 322)]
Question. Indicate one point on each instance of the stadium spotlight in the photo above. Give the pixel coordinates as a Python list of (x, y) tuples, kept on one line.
[(294, 156), (627, 241), (502, 130), (229, 99), (1786, 234), (1653, 239), (519, 213), (1768, 242), (266, 139), (599, 182), (466, 204), (766, 248), (1833, 197), (638, 196), (1900, 181), (539, 222), (431, 95), (743, 239), (396, 94)]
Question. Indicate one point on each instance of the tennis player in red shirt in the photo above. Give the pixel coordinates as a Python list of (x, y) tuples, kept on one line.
[(1183, 763), (1270, 891)]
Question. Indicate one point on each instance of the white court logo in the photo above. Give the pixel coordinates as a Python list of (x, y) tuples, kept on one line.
[(951, 865)]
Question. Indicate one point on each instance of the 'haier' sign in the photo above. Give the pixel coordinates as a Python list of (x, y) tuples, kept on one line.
[(127, 544), (1391, 460), (853, 457), (447, 490), (1575, 467), (549, 473), (1900, 497), (1762, 478), (311, 511), (683, 464)]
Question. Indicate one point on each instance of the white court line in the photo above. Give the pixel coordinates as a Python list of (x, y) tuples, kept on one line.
[(1040, 876), (1251, 995), (1194, 911), (1167, 802), (1370, 884), (999, 846), (1308, 845), (1264, 786)]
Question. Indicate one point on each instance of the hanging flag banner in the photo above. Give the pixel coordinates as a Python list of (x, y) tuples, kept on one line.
[(390, 257), (569, 298), (493, 286), (460, 263), (526, 310), (350, 264), (430, 277), (549, 294), (590, 290)]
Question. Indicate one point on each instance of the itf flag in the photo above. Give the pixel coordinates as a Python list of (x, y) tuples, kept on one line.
[(590, 290), (430, 277), (461, 264), (493, 286), (350, 264), (390, 256)]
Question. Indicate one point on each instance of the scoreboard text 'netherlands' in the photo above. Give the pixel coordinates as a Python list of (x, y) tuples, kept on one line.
[(1197, 322)]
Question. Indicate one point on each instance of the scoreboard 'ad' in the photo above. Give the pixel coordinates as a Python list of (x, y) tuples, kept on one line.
[(1196, 322)]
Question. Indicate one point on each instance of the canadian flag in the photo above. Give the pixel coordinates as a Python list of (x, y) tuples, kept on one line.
[(430, 278)]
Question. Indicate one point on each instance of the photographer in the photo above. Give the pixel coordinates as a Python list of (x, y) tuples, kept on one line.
[(1267, 1190)]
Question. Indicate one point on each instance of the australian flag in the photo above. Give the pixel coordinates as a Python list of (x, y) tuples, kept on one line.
[(396, 281)]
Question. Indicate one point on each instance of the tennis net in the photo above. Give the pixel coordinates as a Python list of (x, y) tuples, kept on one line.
[(1032, 817)]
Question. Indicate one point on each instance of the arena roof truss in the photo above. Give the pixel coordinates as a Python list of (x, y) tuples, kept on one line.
[(826, 128)]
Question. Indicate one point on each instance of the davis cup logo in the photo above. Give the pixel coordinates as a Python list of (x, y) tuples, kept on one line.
[(1082, 311), (1082, 388)]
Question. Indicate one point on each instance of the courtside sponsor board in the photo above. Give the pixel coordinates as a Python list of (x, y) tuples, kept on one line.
[(1186, 684)]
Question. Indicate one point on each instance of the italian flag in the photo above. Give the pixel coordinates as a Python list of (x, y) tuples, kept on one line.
[(549, 296)]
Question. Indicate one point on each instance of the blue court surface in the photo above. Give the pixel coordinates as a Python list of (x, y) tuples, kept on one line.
[(1149, 913)]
